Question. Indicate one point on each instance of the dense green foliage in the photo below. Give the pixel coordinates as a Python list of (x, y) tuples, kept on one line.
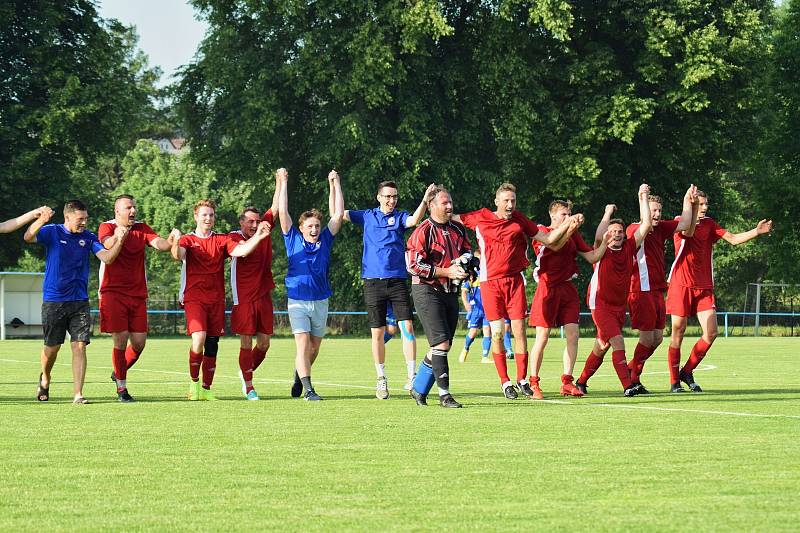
[(727, 459), (566, 99)]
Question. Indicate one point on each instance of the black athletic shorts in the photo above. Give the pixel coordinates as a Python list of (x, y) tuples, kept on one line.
[(378, 292), (60, 317), (438, 312)]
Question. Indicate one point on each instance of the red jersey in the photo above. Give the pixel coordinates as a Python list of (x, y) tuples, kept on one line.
[(503, 243), (126, 274), (648, 271), (251, 276), (558, 266), (202, 277), (612, 277), (692, 267)]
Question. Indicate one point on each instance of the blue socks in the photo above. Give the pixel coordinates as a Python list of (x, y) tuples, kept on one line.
[(424, 381), (487, 345)]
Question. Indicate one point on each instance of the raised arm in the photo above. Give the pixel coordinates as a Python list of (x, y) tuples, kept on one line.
[(598, 252), (558, 237), (281, 182), (245, 248), (274, 206), (687, 213), (644, 214), (108, 255), (43, 218), (335, 202), (14, 224), (763, 226), (178, 252), (695, 217), (417, 216), (602, 227)]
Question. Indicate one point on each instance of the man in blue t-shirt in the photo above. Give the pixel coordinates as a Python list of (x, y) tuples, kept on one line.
[(308, 248), (383, 269), (65, 305)]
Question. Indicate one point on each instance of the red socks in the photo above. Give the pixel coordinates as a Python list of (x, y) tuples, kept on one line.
[(258, 357), (195, 360), (501, 366), (698, 352), (640, 355), (209, 365), (246, 366), (621, 367), (118, 362), (522, 365), (593, 362), (131, 356), (674, 362)]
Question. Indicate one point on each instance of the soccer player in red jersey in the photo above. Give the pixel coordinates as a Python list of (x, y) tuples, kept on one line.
[(202, 294), (123, 289), (691, 289), (503, 240), (556, 301), (251, 288), (608, 291), (649, 283)]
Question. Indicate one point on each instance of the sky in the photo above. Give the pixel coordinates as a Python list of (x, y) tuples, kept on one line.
[(168, 31)]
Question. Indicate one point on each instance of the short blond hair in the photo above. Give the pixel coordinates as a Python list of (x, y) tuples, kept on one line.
[(555, 205), (506, 187)]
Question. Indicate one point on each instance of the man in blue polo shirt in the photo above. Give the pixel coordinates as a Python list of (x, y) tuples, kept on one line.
[(65, 305), (383, 269)]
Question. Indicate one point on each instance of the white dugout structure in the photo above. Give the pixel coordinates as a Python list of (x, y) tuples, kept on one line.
[(21, 304)]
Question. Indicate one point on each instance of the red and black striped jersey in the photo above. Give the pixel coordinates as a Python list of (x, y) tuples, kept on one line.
[(435, 245)]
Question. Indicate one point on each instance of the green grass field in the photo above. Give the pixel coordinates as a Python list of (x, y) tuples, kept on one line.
[(726, 459)]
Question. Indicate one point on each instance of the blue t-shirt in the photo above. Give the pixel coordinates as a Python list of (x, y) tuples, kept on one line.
[(66, 271), (384, 244), (307, 278)]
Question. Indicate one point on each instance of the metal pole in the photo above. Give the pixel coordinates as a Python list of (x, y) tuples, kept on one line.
[(2, 308), (758, 308), (726, 325)]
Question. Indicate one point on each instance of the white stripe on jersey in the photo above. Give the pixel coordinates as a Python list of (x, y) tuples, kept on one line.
[(234, 285), (538, 263), (644, 274), (677, 257), (482, 245), (593, 285), (183, 281)]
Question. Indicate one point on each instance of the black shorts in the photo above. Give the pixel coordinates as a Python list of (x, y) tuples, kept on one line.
[(60, 317), (438, 312), (378, 292)]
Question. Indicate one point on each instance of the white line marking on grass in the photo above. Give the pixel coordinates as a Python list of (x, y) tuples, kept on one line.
[(581, 403)]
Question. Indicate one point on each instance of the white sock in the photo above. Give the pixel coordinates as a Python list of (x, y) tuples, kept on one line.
[(443, 392), (411, 368), (379, 369), (121, 384)]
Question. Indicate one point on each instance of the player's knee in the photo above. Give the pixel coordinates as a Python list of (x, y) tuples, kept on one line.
[(498, 329), (711, 334), (211, 346)]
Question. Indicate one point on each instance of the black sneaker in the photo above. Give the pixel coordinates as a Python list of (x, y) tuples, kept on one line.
[(631, 391), (113, 376), (641, 389), (525, 389), (581, 387), (448, 401), (124, 396), (676, 387), (421, 399), (312, 396), (510, 392), (688, 378), (297, 387)]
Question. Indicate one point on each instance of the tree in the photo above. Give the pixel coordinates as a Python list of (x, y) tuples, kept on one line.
[(74, 92), (578, 99)]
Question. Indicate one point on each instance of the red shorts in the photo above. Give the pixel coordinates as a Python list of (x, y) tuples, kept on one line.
[(249, 318), (120, 312), (504, 298), (205, 317), (647, 309), (555, 305), (685, 301), (609, 323)]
